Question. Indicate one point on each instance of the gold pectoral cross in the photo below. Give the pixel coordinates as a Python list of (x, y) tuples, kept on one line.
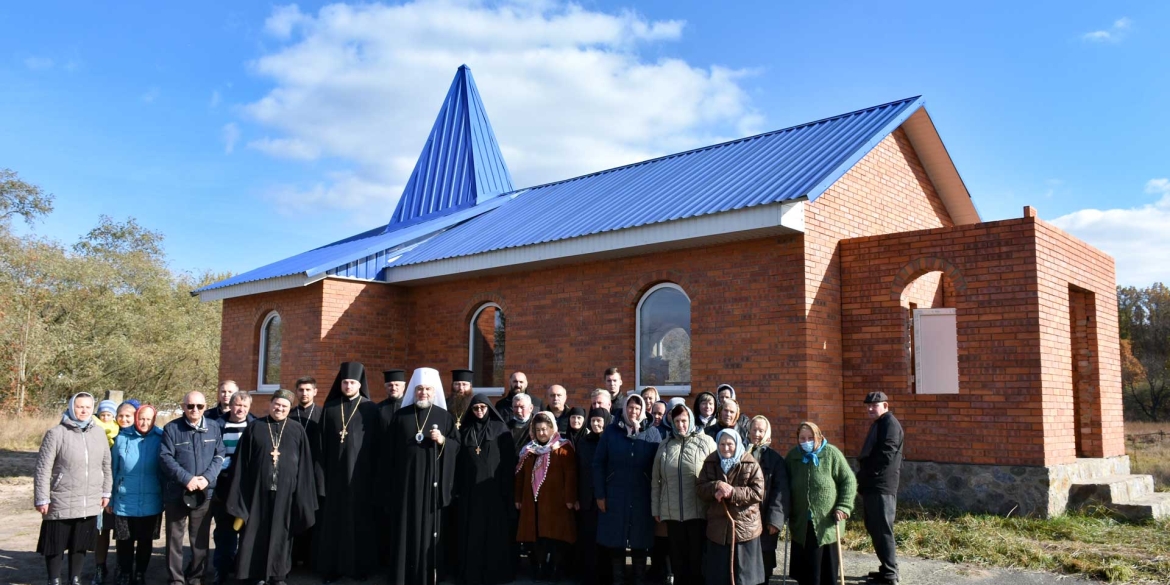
[(343, 433), (275, 455)]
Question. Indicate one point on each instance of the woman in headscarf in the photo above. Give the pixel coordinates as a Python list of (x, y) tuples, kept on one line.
[(591, 557), (546, 495), (704, 409), (123, 419), (823, 489), (71, 486), (484, 474), (732, 484), (673, 497), (776, 495), (137, 501), (621, 485), (578, 426)]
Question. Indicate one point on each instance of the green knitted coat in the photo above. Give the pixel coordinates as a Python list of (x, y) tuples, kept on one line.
[(821, 490)]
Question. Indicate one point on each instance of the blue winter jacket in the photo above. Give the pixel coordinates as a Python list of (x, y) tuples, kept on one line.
[(137, 474), (187, 451), (621, 476)]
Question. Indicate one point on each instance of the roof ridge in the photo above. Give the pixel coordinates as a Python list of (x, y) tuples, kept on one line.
[(713, 146)]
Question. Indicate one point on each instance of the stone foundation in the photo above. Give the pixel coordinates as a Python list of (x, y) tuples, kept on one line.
[(1001, 489)]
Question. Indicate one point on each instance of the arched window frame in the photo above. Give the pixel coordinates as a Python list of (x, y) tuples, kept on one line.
[(662, 390), (489, 390), (262, 351)]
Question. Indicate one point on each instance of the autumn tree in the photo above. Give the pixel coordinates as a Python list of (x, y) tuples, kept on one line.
[(1144, 319)]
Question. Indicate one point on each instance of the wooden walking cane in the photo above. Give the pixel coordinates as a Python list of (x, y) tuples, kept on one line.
[(840, 553), (731, 569)]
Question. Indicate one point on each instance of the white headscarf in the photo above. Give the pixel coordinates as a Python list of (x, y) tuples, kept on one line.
[(425, 377)]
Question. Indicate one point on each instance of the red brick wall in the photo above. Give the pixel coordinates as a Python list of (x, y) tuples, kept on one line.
[(887, 191), (325, 323), (1064, 261), (566, 324), (1010, 283)]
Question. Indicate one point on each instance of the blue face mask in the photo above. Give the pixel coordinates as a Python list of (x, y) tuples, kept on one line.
[(807, 447)]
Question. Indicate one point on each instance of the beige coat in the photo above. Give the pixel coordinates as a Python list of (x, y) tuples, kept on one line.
[(676, 470)]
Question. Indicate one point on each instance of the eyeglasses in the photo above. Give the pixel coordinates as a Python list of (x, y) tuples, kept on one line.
[(196, 406)]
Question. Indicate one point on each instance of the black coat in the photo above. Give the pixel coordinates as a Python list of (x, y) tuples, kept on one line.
[(881, 457), (188, 451)]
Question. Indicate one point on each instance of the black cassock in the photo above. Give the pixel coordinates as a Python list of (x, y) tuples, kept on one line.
[(420, 487), (484, 477), (275, 500), (346, 538)]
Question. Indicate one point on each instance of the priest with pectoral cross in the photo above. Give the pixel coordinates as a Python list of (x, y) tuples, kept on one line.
[(273, 495), (421, 446), (346, 538)]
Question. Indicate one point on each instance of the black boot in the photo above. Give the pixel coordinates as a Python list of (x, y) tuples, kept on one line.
[(99, 575), (619, 568), (638, 571), (139, 578), (75, 580), (55, 581), (124, 578)]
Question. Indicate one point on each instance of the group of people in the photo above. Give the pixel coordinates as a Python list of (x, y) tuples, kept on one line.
[(428, 487)]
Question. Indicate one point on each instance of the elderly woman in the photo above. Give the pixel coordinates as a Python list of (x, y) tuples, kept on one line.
[(776, 496), (729, 417), (71, 486), (546, 495), (137, 499), (123, 419), (621, 484), (732, 484), (674, 498), (823, 489)]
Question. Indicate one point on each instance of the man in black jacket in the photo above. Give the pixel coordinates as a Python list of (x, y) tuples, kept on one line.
[(881, 465), (190, 459)]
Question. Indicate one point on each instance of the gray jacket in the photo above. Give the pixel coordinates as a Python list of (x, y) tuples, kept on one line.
[(73, 471), (676, 471)]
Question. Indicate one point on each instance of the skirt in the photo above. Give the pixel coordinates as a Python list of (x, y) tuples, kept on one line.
[(749, 563), (74, 534), (137, 527)]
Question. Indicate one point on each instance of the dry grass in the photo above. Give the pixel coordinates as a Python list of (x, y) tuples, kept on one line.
[(23, 433), (1149, 451)]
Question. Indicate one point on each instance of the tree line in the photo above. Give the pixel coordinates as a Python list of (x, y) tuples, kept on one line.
[(1144, 324), (105, 313)]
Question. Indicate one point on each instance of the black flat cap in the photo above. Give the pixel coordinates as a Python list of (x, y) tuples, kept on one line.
[(394, 376), (461, 376), (875, 397)]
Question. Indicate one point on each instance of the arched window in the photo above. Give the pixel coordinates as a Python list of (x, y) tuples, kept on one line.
[(664, 340), (271, 334), (486, 349)]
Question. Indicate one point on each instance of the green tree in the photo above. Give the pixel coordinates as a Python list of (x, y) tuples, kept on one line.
[(1144, 319), (18, 198)]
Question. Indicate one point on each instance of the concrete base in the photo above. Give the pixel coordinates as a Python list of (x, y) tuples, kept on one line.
[(1002, 489)]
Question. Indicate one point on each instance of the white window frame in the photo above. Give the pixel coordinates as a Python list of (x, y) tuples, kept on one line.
[(662, 390), (262, 350), (489, 390), (934, 358)]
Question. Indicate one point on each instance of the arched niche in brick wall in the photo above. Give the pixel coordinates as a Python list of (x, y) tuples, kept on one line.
[(927, 291)]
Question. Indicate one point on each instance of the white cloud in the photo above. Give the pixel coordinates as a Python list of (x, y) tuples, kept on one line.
[(1136, 237), (567, 89), (149, 95), (38, 63), (343, 190), (1112, 34), (215, 98), (231, 135)]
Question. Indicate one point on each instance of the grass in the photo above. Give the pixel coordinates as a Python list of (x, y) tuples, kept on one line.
[(1095, 546), (1149, 453), (23, 433)]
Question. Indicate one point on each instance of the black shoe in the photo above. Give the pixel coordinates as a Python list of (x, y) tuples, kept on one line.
[(99, 575), (876, 578), (139, 578), (55, 581)]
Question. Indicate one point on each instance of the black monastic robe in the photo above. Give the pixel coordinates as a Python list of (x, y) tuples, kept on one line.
[(420, 487), (484, 478), (346, 540), (276, 500)]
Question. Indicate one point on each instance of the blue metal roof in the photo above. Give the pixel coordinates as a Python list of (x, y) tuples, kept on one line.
[(788, 164), (461, 162), (783, 165)]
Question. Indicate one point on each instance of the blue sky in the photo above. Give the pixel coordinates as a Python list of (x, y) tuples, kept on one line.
[(249, 132)]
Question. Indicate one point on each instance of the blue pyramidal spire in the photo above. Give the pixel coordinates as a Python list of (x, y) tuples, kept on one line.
[(460, 163)]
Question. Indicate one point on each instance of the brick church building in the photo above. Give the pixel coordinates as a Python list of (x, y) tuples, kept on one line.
[(805, 266)]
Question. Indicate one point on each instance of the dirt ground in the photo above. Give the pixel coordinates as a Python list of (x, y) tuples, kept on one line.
[(21, 565)]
